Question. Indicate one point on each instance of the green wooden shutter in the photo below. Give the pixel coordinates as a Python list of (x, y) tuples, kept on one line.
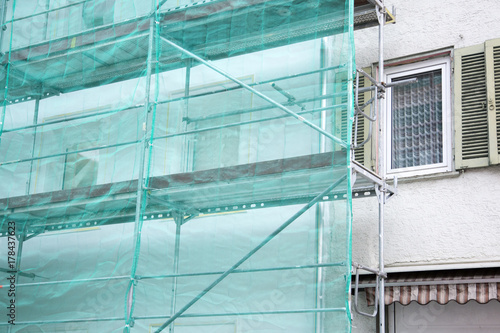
[(493, 87), (471, 115), (363, 154), (342, 124), (340, 81), (477, 93)]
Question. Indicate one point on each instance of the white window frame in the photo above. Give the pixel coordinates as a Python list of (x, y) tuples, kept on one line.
[(410, 69)]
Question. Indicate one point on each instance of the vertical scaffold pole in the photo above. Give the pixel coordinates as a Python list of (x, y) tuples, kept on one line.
[(5, 95), (382, 194), (187, 160), (381, 298), (140, 200), (3, 13), (35, 130), (320, 207), (179, 220), (351, 73)]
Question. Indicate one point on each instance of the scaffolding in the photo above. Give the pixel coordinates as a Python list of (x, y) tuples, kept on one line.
[(184, 166)]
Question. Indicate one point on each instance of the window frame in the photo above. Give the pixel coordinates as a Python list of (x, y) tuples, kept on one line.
[(444, 64)]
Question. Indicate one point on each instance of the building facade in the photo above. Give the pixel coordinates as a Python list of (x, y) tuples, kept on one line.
[(162, 165), (443, 224)]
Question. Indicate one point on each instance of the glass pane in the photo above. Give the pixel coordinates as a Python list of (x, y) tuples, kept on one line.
[(417, 122)]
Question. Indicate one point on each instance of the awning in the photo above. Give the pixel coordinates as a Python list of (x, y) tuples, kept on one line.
[(481, 285)]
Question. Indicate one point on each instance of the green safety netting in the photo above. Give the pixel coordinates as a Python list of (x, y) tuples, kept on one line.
[(235, 117)]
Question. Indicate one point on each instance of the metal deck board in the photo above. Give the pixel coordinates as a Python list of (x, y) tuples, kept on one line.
[(256, 185)]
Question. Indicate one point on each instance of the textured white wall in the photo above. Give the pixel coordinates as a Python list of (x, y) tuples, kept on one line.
[(433, 223), (427, 25)]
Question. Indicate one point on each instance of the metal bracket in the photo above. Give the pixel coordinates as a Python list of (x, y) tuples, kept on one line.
[(381, 192), (385, 192), (181, 218), (380, 275), (395, 186), (291, 99), (34, 234)]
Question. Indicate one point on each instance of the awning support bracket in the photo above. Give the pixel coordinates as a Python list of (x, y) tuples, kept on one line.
[(380, 275)]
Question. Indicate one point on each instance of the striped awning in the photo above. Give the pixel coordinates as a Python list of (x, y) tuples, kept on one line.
[(481, 285)]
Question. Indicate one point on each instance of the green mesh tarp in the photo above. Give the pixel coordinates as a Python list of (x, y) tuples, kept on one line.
[(175, 166)]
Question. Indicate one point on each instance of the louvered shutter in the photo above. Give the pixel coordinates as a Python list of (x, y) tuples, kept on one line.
[(340, 131), (471, 115), (477, 92), (492, 54), (363, 154)]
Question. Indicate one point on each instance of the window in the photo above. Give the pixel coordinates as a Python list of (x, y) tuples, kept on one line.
[(418, 119), (220, 146), (97, 13), (80, 169)]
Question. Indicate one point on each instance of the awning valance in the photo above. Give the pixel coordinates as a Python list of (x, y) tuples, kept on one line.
[(481, 285)]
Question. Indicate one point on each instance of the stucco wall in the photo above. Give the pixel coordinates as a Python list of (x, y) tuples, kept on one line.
[(429, 25), (434, 221)]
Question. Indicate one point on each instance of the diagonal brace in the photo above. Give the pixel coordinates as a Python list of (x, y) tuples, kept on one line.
[(256, 92), (251, 253)]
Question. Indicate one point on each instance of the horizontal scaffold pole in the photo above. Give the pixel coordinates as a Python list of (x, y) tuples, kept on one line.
[(213, 116), (268, 107), (171, 100), (169, 276), (128, 143), (256, 92), (190, 315), (243, 123), (46, 12), (252, 252)]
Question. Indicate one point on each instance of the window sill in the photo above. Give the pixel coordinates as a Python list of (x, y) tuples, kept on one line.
[(433, 176)]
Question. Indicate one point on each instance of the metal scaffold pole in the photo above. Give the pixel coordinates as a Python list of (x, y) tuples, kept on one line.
[(320, 206), (382, 193), (179, 220), (141, 185), (381, 298), (33, 147)]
